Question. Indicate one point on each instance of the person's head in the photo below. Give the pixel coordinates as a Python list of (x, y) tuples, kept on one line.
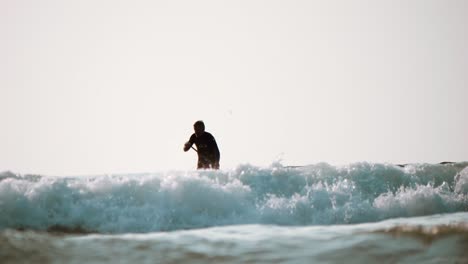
[(199, 128)]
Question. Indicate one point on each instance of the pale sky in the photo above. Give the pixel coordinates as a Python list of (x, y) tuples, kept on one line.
[(92, 87)]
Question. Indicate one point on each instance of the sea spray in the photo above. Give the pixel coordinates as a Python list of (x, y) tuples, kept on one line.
[(318, 194)]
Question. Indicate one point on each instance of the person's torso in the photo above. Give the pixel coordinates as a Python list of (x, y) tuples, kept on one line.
[(204, 143)]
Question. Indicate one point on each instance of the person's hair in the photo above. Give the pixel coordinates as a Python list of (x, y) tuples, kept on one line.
[(200, 124)]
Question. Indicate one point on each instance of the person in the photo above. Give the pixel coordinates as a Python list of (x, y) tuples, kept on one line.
[(207, 149)]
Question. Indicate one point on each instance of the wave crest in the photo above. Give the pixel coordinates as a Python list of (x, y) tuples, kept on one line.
[(316, 194)]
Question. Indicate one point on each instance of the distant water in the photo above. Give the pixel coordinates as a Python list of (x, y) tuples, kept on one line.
[(357, 213)]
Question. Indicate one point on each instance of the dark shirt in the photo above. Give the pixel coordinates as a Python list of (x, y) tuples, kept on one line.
[(208, 152)]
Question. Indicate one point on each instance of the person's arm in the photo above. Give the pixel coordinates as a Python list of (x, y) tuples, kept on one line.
[(215, 151), (217, 157), (189, 143)]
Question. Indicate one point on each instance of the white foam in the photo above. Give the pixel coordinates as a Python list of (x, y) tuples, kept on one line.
[(315, 194), (461, 182)]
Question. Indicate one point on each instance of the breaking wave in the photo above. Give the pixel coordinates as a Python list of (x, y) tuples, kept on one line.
[(319, 194)]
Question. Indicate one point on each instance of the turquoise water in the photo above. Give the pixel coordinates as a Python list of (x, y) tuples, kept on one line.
[(430, 239), (357, 213)]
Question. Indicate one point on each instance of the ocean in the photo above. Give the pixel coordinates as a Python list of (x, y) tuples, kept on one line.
[(320, 213)]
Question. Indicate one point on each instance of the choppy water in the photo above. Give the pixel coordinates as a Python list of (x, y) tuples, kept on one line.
[(332, 214)]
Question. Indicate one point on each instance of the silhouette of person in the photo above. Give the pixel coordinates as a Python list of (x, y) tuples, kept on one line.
[(207, 149)]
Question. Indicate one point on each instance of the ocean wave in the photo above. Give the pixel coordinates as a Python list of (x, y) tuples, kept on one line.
[(427, 232), (318, 194)]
